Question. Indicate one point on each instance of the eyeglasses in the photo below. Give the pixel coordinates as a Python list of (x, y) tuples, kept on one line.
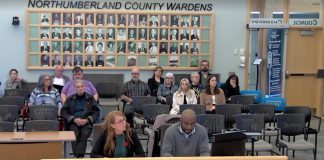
[(135, 73), (121, 121), (47, 79), (76, 74)]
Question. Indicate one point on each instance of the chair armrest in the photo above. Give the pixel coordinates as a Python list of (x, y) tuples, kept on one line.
[(319, 122)]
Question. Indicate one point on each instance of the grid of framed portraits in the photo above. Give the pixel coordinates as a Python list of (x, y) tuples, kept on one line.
[(113, 39)]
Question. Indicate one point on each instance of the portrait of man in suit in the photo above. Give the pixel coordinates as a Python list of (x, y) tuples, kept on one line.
[(153, 35), (67, 33), (78, 60), (184, 47), (56, 60), (100, 20), (142, 34), (131, 33), (121, 34), (44, 19), (88, 33), (44, 34), (78, 33), (45, 46), (56, 46), (89, 61), (154, 20), (99, 61), (111, 33), (194, 35), (131, 20), (174, 20), (78, 19), (45, 61), (100, 33), (185, 21), (121, 47), (67, 18), (56, 33), (67, 60), (164, 20), (143, 20), (121, 19), (163, 47), (163, 34), (195, 21), (194, 49), (111, 20), (184, 35), (142, 47), (78, 47), (131, 47), (173, 47), (174, 34), (56, 18), (89, 19), (153, 48), (67, 47)]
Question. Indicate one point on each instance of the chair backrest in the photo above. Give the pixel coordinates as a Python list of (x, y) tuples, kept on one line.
[(150, 111), (214, 123), (257, 94), (17, 92), (107, 89), (8, 113), (267, 110), (198, 108), (279, 102), (104, 110), (12, 100), (245, 100), (229, 111), (41, 125), (250, 122), (228, 144), (291, 124), (178, 77), (30, 86), (163, 129), (173, 120), (139, 101), (299, 110), (96, 132), (43, 112), (7, 126)]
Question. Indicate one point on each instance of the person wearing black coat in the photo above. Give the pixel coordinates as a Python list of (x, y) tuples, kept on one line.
[(156, 80)]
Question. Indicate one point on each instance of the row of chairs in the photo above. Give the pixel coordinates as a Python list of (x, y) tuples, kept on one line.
[(31, 126)]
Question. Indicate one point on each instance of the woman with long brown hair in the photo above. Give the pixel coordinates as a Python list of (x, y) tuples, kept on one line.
[(118, 140), (212, 95)]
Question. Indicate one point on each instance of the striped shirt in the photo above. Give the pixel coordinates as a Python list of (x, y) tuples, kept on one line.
[(39, 97), (132, 88)]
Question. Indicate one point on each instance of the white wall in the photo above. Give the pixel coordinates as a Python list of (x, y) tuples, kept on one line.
[(230, 20)]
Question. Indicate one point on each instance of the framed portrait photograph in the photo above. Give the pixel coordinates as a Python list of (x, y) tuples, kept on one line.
[(111, 33), (185, 21), (143, 20), (78, 19), (88, 33), (56, 60), (56, 46), (111, 19), (184, 34), (100, 61), (45, 33), (132, 33), (142, 47), (45, 46), (100, 19), (89, 61), (163, 47), (164, 20), (111, 61), (78, 60), (131, 61), (195, 34), (174, 34), (132, 20), (67, 18), (56, 33), (78, 46), (121, 47), (152, 61), (56, 18), (78, 33), (164, 34), (121, 34), (184, 48), (132, 47), (154, 20), (194, 48), (173, 61), (67, 46), (195, 21), (153, 48), (174, 20), (110, 47), (100, 47), (67, 33), (44, 19), (89, 19), (45, 60), (121, 19), (67, 61), (89, 47), (142, 35), (173, 47), (153, 34)]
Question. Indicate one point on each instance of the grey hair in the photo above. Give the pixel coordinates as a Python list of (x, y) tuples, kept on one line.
[(78, 81), (40, 83), (169, 74), (194, 73)]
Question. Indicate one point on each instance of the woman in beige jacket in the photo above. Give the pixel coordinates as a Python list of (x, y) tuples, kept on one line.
[(184, 95), (212, 95)]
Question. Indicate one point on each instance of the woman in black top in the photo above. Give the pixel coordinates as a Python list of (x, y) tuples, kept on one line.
[(231, 86), (156, 80), (118, 140)]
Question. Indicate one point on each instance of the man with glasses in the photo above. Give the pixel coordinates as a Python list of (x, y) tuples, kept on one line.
[(59, 79), (69, 88), (134, 87), (204, 72), (185, 138)]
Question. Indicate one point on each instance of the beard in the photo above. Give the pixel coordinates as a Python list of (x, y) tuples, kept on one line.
[(205, 69)]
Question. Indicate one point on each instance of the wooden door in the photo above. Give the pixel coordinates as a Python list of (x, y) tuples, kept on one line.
[(303, 59)]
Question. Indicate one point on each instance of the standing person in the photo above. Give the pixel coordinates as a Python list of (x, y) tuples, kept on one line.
[(204, 72), (195, 85), (212, 95), (134, 87), (231, 86), (185, 138), (118, 139), (45, 93), (80, 112), (165, 91), (69, 89), (59, 79), (13, 82), (184, 95), (156, 80)]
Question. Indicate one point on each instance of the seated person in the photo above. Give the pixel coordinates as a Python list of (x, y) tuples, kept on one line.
[(212, 95), (13, 82), (195, 85), (185, 138), (184, 95), (156, 80), (80, 112), (166, 90), (118, 139), (231, 86), (58, 79), (45, 93)]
